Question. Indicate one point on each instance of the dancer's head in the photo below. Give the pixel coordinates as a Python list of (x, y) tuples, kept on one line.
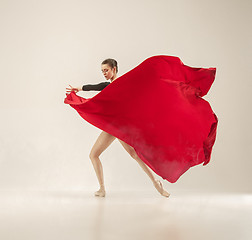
[(109, 68)]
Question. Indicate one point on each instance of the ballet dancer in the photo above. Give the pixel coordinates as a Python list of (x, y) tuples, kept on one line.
[(109, 69)]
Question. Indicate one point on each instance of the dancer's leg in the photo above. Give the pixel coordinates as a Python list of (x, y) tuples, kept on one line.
[(102, 142), (133, 154)]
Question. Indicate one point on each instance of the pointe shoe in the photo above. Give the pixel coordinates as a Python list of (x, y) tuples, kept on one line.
[(100, 193), (159, 186)]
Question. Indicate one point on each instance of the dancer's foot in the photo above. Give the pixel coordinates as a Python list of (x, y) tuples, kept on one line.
[(100, 193), (158, 185)]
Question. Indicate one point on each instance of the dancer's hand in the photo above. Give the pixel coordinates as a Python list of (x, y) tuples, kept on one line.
[(73, 89)]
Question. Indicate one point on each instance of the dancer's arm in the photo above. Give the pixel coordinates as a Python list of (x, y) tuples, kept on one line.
[(96, 87), (89, 87)]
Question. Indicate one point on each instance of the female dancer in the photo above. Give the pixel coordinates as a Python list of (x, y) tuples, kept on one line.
[(109, 69)]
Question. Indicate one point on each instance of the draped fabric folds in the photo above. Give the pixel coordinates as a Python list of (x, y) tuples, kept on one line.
[(158, 109)]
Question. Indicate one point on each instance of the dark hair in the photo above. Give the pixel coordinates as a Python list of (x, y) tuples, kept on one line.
[(111, 62)]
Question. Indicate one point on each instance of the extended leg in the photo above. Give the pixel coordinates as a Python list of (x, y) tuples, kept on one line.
[(102, 142), (133, 154)]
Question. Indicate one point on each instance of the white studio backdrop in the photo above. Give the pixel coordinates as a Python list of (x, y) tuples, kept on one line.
[(46, 45)]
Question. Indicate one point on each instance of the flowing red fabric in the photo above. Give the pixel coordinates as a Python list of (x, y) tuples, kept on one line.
[(158, 109)]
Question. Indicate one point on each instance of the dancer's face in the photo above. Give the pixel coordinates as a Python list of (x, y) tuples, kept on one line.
[(108, 72)]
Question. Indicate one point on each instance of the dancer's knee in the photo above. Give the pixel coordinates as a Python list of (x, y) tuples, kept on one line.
[(94, 155), (134, 155)]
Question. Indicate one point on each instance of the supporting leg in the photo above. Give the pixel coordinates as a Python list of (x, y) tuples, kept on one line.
[(102, 142)]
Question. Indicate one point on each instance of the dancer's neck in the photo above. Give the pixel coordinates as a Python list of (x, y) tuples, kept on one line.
[(113, 79)]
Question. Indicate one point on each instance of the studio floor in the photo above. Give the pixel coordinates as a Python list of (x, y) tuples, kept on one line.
[(73, 215)]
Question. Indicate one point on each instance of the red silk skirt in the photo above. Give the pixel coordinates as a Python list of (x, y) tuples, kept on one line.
[(158, 109)]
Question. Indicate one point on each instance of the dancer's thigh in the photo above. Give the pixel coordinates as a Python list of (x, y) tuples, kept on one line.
[(102, 142), (129, 149)]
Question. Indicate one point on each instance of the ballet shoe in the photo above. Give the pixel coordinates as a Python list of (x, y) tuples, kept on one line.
[(100, 193), (159, 186)]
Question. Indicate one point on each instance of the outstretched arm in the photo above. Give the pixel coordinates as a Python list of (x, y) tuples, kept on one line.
[(89, 87), (96, 87)]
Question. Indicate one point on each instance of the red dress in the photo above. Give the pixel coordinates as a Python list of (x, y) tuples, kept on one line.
[(158, 109)]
